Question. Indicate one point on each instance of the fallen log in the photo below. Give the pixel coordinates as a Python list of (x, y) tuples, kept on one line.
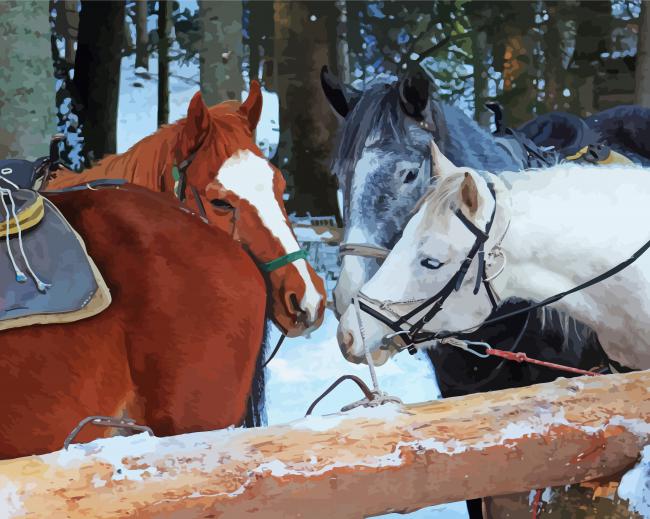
[(365, 462)]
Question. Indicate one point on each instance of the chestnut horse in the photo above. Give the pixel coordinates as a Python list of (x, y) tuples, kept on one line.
[(176, 349), (228, 180)]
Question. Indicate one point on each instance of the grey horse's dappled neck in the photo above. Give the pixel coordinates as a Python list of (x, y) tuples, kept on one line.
[(383, 161)]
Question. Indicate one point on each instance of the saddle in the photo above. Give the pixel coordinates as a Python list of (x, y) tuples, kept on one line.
[(46, 275), (552, 138)]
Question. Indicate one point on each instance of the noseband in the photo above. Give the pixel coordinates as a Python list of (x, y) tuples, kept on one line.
[(433, 305)]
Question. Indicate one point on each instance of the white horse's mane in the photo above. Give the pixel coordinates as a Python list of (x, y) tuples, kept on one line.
[(440, 196)]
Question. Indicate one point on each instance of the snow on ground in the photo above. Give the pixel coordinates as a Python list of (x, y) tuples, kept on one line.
[(305, 366), (635, 486)]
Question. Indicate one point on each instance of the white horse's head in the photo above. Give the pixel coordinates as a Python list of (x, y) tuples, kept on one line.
[(434, 244)]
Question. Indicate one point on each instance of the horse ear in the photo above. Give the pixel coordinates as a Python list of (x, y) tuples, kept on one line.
[(469, 196), (341, 97), (440, 164), (196, 126), (415, 91), (252, 107)]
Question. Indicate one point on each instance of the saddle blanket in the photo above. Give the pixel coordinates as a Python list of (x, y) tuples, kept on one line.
[(74, 288)]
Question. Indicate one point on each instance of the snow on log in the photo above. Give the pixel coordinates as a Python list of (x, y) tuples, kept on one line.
[(364, 462)]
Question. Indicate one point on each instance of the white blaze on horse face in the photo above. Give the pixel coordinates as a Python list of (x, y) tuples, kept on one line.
[(250, 178)]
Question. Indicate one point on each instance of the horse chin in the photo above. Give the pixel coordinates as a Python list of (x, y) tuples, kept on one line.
[(290, 327), (380, 357)]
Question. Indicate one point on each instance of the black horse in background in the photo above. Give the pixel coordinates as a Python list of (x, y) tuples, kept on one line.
[(624, 129), (383, 167)]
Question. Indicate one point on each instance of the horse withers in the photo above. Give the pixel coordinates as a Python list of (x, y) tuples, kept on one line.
[(211, 162)]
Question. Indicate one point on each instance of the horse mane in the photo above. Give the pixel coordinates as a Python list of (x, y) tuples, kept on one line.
[(153, 156)]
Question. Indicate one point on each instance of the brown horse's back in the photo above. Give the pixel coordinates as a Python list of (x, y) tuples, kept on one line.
[(176, 349)]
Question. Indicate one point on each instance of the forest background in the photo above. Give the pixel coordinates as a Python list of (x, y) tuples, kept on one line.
[(61, 65)]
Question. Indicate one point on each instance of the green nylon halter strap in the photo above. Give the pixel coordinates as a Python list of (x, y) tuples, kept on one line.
[(283, 260)]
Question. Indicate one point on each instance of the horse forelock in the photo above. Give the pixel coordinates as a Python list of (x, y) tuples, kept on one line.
[(375, 117)]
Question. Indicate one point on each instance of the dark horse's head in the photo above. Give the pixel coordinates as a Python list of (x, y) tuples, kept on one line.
[(383, 161)]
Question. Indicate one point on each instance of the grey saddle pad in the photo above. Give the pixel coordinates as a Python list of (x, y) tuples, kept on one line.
[(57, 258)]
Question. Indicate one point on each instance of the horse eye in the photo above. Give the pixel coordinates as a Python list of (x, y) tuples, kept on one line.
[(410, 176), (221, 204), (431, 263)]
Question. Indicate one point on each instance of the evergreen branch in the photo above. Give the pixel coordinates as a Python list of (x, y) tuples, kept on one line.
[(446, 41)]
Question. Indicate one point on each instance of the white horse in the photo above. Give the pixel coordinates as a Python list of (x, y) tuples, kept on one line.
[(554, 229)]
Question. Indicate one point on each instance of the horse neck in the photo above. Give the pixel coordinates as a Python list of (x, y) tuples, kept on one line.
[(565, 230), (467, 144), (143, 164)]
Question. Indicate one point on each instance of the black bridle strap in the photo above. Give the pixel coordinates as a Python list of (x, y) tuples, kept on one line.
[(457, 279), (550, 300)]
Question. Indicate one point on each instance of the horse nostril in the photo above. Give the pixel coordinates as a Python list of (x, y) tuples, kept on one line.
[(293, 305)]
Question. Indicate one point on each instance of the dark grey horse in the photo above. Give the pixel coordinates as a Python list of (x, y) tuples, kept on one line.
[(383, 166)]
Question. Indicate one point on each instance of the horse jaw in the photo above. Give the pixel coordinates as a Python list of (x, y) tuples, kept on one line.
[(298, 293)]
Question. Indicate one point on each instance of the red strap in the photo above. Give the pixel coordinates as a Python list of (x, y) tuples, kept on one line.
[(522, 357), (538, 497)]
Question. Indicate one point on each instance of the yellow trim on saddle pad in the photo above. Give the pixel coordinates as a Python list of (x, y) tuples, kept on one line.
[(613, 158), (28, 217)]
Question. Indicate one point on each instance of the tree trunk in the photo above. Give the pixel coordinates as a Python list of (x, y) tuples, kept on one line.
[(97, 75), (592, 35), (66, 25), (351, 465), (478, 15), (642, 78), (303, 33), (27, 93), (519, 93), (260, 30), (164, 24), (342, 48), (221, 50), (554, 73), (355, 38), (141, 35)]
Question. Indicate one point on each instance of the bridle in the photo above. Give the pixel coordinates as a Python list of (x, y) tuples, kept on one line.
[(181, 170), (413, 334)]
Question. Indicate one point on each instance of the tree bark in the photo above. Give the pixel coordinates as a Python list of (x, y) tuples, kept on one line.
[(260, 29), (141, 35), (303, 34), (164, 24), (519, 93), (554, 73), (342, 48), (642, 78), (97, 75), (66, 25), (408, 456), (221, 50), (27, 93), (481, 57), (592, 35)]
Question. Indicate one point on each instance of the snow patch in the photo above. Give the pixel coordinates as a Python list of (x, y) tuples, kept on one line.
[(10, 502), (635, 486)]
